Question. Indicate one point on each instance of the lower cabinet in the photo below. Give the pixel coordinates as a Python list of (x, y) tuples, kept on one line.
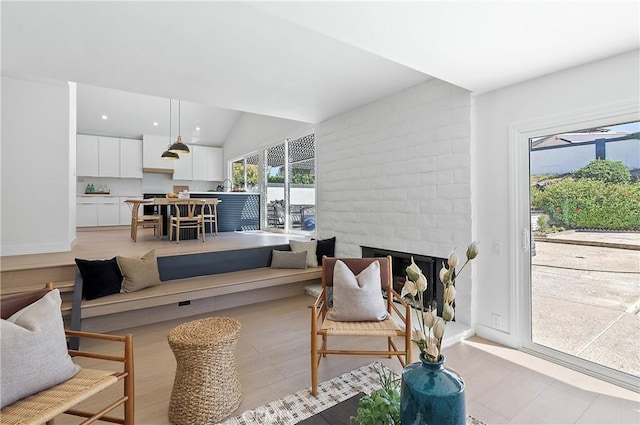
[(86, 214), (94, 211), (109, 212)]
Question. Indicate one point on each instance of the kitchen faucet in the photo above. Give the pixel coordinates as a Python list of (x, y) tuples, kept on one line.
[(224, 187)]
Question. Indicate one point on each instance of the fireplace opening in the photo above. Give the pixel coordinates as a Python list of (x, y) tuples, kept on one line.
[(430, 267)]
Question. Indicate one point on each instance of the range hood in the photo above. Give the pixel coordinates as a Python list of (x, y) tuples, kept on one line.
[(157, 170)]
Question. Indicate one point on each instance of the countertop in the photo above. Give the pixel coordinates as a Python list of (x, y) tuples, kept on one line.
[(223, 193)]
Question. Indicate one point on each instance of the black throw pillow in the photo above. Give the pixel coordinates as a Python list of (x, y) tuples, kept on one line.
[(326, 247), (99, 277)]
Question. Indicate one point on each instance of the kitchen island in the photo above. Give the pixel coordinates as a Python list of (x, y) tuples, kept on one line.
[(236, 211)]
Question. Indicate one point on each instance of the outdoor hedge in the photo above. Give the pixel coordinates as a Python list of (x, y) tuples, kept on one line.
[(590, 204)]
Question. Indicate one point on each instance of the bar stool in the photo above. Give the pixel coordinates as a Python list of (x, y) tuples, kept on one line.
[(206, 388), (138, 220)]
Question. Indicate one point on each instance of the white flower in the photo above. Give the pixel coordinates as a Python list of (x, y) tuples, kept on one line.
[(447, 312), (421, 283), (472, 250), (438, 328), (418, 335), (409, 288), (413, 271), (428, 318), (449, 293), (453, 259), (445, 276)]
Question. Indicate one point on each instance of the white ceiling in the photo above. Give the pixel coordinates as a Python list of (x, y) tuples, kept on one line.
[(306, 61)]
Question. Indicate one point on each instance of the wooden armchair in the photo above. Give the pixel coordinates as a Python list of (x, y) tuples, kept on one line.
[(186, 214), (322, 327), (45, 405)]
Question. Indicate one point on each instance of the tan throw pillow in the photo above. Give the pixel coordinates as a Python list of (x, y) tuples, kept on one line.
[(309, 247), (288, 260), (139, 273), (357, 298), (34, 350)]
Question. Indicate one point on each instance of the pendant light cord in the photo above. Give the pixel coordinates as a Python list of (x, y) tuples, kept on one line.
[(170, 102)]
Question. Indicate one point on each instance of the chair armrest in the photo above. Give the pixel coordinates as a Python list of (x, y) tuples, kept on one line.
[(406, 317), (127, 353)]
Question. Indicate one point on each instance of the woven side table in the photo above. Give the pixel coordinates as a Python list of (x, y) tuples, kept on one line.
[(206, 388)]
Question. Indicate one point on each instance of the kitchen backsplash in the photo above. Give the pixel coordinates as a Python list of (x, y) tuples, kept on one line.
[(150, 183)]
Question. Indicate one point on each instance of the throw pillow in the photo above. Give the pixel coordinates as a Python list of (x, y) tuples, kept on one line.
[(288, 260), (139, 273), (326, 247), (357, 298), (34, 350), (99, 277), (309, 247)]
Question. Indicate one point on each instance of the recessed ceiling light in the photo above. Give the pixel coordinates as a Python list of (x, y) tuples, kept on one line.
[(104, 117), (155, 123), (197, 128)]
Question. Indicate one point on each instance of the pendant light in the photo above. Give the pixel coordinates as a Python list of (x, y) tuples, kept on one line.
[(168, 154), (178, 146)]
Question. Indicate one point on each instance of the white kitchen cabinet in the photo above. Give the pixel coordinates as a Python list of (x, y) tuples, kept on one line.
[(152, 148), (131, 158), (87, 153), (109, 211), (183, 167), (109, 157), (207, 163), (86, 211)]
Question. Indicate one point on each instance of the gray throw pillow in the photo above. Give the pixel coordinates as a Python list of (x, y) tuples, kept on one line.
[(288, 260), (34, 350), (357, 298), (139, 273), (308, 247)]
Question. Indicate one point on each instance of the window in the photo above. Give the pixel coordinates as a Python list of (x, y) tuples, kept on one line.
[(287, 180)]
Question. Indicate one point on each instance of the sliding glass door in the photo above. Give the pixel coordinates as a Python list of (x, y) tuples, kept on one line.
[(577, 196)]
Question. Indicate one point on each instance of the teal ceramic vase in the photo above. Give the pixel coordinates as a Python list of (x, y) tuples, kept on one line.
[(431, 394)]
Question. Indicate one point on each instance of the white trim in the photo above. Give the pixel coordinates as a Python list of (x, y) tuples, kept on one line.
[(520, 224)]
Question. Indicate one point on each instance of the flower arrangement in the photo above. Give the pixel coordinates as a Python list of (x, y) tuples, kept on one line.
[(429, 336)]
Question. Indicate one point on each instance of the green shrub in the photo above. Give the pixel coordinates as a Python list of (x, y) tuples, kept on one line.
[(604, 170), (592, 204)]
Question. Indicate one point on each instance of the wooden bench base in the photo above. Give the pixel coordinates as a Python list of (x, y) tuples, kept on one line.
[(192, 296)]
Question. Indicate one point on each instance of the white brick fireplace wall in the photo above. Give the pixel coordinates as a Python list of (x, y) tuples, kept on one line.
[(395, 174)]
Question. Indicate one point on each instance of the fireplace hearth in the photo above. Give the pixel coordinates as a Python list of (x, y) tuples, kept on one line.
[(430, 267)]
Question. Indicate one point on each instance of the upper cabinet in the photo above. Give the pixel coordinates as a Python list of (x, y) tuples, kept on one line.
[(98, 156), (183, 167), (109, 157), (207, 163), (131, 158), (152, 148), (87, 152)]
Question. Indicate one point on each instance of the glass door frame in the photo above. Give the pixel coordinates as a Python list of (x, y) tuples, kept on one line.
[(520, 224)]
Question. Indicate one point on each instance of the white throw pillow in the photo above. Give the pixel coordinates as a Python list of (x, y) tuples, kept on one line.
[(34, 350), (357, 298), (310, 247)]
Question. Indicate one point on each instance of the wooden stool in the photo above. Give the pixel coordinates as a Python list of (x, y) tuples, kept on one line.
[(206, 388)]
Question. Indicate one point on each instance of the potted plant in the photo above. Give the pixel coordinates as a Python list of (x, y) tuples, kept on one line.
[(382, 406)]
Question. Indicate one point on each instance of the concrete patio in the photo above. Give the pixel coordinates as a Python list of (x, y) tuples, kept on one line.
[(586, 299)]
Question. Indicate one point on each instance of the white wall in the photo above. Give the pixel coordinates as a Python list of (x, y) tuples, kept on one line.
[(37, 179), (562, 160), (573, 91), (625, 151), (253, 132), (395, 174)]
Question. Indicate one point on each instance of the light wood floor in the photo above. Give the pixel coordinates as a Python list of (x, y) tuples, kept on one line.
[(100, 243), (502, 385)]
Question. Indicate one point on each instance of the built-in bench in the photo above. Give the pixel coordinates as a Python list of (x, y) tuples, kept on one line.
[(192, 284)]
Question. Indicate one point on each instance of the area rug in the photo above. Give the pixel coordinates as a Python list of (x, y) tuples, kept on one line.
[(293, 408)]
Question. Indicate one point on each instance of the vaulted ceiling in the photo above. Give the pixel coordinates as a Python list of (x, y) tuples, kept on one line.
[(304, 61)]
